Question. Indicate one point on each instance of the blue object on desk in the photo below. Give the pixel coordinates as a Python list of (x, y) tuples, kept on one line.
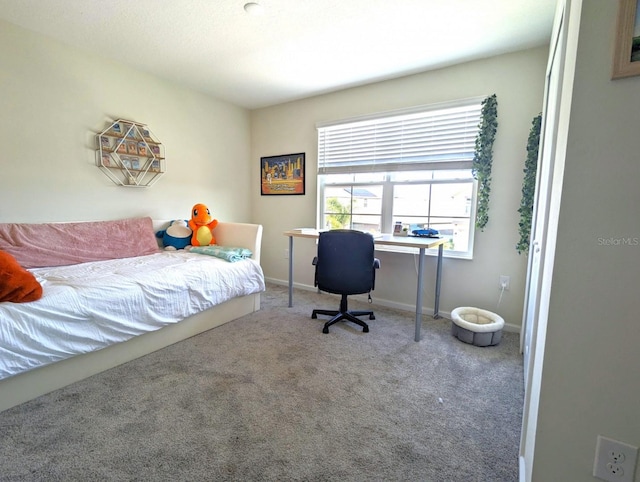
[(426, 233)]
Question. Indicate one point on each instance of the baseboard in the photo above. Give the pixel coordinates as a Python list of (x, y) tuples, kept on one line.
[(428, 310)]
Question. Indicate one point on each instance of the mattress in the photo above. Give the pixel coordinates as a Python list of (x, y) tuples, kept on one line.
[(88, 306)]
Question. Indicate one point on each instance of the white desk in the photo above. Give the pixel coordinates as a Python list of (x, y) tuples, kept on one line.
[(387, 239)]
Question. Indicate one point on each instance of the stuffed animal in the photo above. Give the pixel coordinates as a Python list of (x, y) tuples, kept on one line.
[(17, 285), (176, 236), (202, 225)]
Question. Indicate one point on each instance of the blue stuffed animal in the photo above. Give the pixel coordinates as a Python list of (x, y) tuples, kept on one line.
[(176, 236)]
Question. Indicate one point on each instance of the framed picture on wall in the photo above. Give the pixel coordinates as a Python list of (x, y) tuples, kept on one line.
[(626, 55), (282, 175)]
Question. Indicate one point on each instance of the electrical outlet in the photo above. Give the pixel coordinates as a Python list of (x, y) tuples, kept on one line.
[(286, 254), (505, 281), (615, 461)]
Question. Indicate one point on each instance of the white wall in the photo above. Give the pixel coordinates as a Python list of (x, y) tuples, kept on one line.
[(518, 81), (55, 98), (590, 383)]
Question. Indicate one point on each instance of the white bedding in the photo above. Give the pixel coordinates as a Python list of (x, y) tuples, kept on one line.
[(89, 306)]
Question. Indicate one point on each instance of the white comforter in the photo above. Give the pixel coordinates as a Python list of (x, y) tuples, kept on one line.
[(89, 306)]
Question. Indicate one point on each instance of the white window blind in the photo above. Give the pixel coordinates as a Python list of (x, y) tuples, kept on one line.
[(431, 138)]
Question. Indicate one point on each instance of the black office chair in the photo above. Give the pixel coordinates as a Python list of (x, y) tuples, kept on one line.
[(345, 265)]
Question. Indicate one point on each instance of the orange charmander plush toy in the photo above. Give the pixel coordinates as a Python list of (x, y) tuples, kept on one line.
[(202, 225)]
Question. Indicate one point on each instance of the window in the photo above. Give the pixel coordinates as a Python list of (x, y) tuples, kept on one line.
[(410, 167)]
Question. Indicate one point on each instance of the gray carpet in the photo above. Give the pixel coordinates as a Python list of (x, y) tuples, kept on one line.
[(268, 397)]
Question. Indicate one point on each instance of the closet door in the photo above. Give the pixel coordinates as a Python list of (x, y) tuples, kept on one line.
[(542, 196), (555, 115)]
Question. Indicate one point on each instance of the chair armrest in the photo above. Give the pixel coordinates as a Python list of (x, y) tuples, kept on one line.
[(376, 265), (315, 276)]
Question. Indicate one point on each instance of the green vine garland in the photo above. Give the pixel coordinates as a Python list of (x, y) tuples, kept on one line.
[(529, 186), (483, 157)]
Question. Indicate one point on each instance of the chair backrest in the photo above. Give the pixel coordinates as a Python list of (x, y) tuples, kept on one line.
[(345, 263)]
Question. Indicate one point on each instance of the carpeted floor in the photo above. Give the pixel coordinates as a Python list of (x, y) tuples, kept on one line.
[(268, 397)]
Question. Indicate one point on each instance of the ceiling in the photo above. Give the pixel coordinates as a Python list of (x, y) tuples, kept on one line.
[(296, 48)]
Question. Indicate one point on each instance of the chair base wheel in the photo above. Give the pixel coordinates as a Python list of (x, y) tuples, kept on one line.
[(343, 314)]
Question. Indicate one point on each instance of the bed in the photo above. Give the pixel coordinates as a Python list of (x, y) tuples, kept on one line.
[(96, 314)]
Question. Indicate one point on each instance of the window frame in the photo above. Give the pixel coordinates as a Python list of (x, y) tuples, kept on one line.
[(388, 166), (386, 213)]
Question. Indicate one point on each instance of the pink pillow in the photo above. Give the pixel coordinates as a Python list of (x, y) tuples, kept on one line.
[(16, 283), (58, 244)]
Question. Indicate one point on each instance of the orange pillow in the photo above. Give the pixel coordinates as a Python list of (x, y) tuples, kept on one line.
[(16, 283)]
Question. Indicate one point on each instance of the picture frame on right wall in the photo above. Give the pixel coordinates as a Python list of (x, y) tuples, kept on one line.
[(626, 55)]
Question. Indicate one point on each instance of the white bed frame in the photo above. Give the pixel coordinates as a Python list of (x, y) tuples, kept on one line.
[(34, 383)]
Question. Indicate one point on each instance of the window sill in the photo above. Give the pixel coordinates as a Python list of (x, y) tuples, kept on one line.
[(428, 252)]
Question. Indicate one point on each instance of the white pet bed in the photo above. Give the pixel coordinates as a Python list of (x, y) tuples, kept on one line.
[(476, 326)]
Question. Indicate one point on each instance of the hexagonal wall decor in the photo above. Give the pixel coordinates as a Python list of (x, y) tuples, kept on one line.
[(129, 154)]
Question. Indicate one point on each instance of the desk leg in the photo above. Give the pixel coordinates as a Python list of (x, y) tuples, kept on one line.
[(436, 307), (419, 295), (290, 271)]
